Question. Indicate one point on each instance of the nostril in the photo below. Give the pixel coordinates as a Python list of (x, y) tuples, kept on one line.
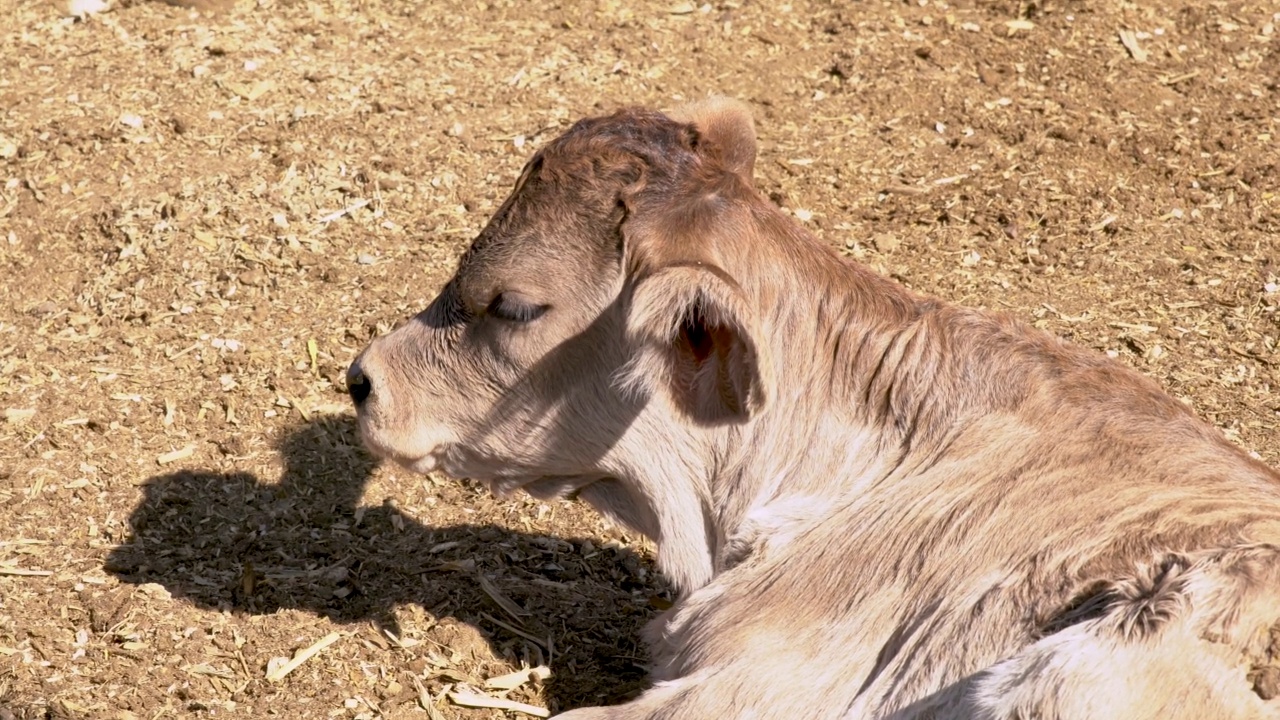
[(358, 385)]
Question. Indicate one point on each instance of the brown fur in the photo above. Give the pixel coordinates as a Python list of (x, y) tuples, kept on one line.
[(875, 504)]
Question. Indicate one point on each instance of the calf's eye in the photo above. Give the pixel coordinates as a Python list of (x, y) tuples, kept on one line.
[(514, 309)]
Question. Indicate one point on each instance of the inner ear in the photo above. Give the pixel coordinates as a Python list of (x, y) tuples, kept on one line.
[(707, 371), (713, 371), (696, 338), (697, 343)]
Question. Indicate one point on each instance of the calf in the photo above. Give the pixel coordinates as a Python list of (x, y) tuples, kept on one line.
[(873, 504)]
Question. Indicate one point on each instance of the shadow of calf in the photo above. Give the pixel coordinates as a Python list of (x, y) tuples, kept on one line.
[(229, 541)]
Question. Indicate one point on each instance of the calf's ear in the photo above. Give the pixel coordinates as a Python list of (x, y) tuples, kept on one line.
[(725, 125), (695, 339)]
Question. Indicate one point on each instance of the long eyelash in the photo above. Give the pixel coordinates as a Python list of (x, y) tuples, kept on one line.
[(505, 308)]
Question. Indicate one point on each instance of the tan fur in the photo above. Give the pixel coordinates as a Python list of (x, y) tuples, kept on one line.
[(875, 505)]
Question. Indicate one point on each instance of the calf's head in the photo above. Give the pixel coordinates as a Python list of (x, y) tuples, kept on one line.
[(591, 339)]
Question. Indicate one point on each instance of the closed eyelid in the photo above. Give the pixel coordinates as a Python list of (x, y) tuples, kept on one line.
[(515, 308)]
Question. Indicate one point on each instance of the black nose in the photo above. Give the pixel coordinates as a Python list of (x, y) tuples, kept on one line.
[(358, 385)]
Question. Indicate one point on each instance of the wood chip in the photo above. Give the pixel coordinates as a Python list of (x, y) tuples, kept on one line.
[(180, 454), (508, 606), (250, 92), (344, 211), (17, 416), (476, 700), (1175, 79), (207, 669), (22, 542), (1130, 41), (424, 699), (1064, 317), (899, 189), (513, 680), (1133, 326), (464, 565), (306, 416), (109, 371), (1015, 25), (205, 239), (1251, 355), (1103, 223), (276, 671), (400, 642), (83, 8), (11, 570), (513, 629)]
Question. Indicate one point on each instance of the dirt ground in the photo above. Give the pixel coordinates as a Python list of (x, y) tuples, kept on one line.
[(203, 217)]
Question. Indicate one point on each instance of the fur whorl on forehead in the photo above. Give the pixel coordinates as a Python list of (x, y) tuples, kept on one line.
[(650, 136), (692, 143)]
